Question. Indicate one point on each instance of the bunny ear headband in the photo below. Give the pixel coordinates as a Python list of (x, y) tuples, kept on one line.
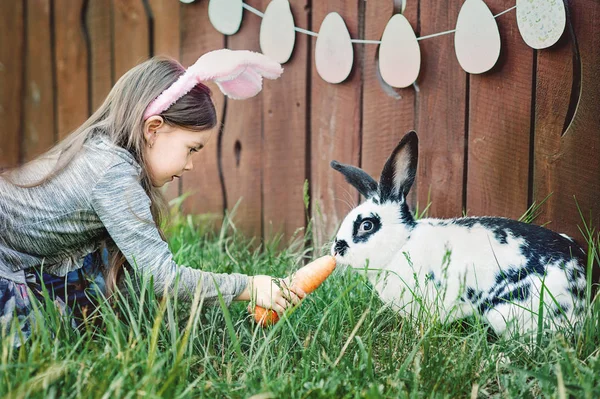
[(238, 73)]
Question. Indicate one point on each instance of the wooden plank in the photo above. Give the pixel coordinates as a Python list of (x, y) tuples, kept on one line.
[(166, 31), (12, 40), (335, 129), (98, 21), (500, 126), (131, 35), (285, 139), (71, 57), (204, 181), (567, 162), (388, 114), (242, 150), (166, 39), (39, 127), (441, 113)]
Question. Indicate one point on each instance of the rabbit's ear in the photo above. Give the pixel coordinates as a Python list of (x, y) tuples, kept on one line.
[(398, 174), (364, 183)]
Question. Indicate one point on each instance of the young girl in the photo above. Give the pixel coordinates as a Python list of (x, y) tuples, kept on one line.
[(101, 186)]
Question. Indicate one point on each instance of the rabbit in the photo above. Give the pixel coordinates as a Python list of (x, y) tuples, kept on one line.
[(488, 266)]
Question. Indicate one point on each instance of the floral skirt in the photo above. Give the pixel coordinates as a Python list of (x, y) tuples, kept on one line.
[(74, 294)]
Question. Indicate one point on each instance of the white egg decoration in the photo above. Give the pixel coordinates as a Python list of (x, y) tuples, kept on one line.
[(187, 1), (277, 34), (399, 53), (225, 15), (477, 38), (334, 54), (541, 22)]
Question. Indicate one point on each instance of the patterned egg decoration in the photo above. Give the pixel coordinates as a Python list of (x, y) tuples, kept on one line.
[(477, 38), (277, 34), (541, 22), (399, 53), (334, 54), (225, 15)]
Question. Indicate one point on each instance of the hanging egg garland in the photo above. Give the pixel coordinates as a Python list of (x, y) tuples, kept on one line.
[(225, 15), (476, 37), (541, 22), (334, 54), (277, 34), (399, 53)]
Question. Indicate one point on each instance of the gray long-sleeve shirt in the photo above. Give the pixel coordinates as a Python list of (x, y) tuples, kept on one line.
[(98, 196)]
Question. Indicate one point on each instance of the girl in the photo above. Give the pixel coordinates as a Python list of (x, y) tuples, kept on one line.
[(101, 185)]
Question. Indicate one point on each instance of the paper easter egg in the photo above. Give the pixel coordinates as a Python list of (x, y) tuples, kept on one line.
[(225, 15), (277, 34), (477, 38), (399, 53), (334, 54), (541, 22), (187, 1)]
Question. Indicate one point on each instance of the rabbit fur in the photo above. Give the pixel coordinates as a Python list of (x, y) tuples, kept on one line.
[(488, 266)]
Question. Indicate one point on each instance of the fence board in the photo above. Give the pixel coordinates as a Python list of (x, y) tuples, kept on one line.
[(98, 22), (285, 138), (131, 35), (242, 140), (204, 181), (166, 39), (71, 57), (569, 165), (385, 118), (500, 126), (335, 129), (12, 42), (39, 127), (441, 114)]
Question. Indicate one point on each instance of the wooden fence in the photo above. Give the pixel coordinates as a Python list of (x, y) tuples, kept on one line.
[(490, 144)]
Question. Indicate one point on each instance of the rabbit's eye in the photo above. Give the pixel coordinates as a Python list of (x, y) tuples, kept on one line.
[(366, 226)]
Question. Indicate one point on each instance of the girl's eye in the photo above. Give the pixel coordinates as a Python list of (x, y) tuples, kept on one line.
[(195, 149), (366, 226)]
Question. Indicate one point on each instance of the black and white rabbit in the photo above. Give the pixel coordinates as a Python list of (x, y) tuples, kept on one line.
[(494, 267)]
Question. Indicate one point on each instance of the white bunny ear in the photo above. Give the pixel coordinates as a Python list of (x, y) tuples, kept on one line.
[(398, 174)]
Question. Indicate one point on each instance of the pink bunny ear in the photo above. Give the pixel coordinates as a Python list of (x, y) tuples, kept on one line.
[(237, 73)]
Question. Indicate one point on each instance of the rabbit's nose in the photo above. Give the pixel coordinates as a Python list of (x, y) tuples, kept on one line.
[(341, 246)]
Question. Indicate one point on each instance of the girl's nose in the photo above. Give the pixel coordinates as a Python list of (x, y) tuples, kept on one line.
[(189, 165)]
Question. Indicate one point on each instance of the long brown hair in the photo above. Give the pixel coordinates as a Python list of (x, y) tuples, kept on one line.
[(120, 118)]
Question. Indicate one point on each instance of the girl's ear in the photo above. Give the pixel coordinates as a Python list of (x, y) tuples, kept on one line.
[(398, 174), (151, 127)]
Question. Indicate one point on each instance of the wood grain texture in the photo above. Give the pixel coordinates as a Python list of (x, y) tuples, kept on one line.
[(242, 146), (500, 126), (387, 113), (166, 27), (285, 139), (131, 35), (39, 127), (71, 57), (98, 22), (12, 48), (203, 182), (567, 162), (335, 130), (166, 41), (441, 114)]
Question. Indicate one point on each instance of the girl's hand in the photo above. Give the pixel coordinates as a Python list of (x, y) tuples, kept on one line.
[(273, 293)]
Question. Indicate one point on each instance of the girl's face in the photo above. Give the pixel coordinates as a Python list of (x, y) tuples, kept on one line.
[(169, 150)]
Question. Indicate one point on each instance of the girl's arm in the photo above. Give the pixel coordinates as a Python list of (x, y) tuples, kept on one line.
[(124, 209)]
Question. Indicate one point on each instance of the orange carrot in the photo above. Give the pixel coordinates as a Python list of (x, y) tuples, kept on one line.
[(307, 278)]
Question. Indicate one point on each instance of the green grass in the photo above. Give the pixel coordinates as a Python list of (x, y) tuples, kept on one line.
[(340, 343)]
